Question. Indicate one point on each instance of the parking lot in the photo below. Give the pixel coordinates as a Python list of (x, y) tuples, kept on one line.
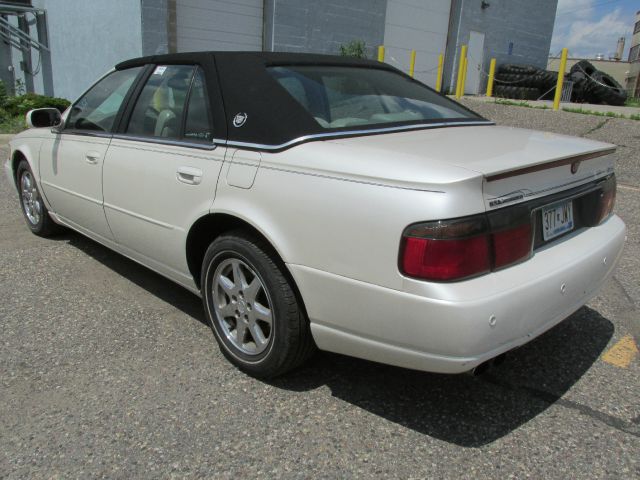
[(108, 370)]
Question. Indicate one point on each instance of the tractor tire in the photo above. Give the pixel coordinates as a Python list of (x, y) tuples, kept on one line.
[(510, 68), (603, 88), (517, 93), (585, 67)]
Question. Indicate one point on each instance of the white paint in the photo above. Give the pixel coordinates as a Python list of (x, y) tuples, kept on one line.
[(475, 60), (420, 26)]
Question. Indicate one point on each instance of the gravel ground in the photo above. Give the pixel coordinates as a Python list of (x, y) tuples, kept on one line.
[(108, 371)]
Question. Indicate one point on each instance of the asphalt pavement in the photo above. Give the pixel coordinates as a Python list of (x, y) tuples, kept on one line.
[(108, 371)]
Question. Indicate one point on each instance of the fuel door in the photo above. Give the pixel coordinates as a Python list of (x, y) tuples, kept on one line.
[(243, 168)]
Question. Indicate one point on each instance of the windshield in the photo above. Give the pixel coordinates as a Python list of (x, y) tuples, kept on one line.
[(340, 97)]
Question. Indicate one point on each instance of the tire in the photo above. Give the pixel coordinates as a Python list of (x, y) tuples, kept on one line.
[(585, 67), (511, 68), (33, 208), (517, 80), (603, 88), (579, 80), (517, 93), (251, 304)]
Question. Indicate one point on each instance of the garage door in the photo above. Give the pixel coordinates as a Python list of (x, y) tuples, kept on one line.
[(218, 25), (419, 25)]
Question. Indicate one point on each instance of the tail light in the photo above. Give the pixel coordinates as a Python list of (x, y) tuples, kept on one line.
[(447, 250), (606, 200), (457, 249)]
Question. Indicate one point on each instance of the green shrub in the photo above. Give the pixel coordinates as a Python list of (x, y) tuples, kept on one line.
[(355, 48), (20, 105), (3, 93)]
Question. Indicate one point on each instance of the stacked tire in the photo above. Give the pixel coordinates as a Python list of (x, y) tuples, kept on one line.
[(591, 85), (527, 82), (523, 82)]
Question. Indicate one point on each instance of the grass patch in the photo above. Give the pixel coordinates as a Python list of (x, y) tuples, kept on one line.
[(601, 114), (521, 103), (12, 124), (632, 102)]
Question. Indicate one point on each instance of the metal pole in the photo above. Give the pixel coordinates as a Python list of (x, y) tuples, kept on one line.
[(381, 53), (561, 70), (45, 59), (464, 76), (412, 63), (492, 74), (463, 55), (439, 78)]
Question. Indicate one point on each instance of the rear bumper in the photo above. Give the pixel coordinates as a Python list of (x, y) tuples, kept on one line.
[(451, 328)]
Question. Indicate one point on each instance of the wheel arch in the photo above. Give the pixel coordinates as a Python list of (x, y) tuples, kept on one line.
[(16, 157), (209, 227)]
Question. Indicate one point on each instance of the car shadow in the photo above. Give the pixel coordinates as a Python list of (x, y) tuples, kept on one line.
[(154, 283), (465, 410)]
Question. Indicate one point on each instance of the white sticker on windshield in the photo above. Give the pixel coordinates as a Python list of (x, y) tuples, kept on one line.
[(159, 70)]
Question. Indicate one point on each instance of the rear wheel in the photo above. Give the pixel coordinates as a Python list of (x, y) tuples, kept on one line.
[(33, 208), (251, 305)]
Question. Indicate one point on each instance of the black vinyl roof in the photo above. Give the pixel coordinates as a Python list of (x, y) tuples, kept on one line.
[(274, 119)]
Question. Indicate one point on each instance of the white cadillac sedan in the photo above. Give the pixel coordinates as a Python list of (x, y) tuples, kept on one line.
[(319, 201)]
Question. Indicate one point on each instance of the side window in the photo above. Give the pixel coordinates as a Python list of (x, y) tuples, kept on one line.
[(96, 110), (158, 110), (198, 126)]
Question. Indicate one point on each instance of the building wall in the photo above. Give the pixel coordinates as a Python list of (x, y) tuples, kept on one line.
[(515, 32), (218, 24), (633, 79), (321, 26), (420, 26), (155, 25), (87, 38)]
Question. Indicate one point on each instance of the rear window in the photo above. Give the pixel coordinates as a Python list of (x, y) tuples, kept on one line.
[(339, 97)]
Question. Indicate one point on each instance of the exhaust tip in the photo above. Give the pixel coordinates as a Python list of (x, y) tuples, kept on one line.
[(483, 367)]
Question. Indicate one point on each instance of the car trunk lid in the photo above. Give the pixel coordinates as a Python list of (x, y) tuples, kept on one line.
[(516, 164)]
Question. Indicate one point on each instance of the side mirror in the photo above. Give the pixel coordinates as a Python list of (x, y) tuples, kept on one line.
[(43, 117)]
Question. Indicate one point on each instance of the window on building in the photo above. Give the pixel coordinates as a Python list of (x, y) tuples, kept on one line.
[(634, 53), (637, 28), (159, 108), (96, 110)]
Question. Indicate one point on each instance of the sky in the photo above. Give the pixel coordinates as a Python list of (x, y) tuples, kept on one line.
[(589, 27)]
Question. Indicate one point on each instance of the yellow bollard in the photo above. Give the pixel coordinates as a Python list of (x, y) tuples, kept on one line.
[(492, 74), (381, 53), (563, 67), (439, 78), (464, 76), (412, 63), (463, 55)]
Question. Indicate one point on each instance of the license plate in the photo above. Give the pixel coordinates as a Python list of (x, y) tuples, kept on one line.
[(557, 219)]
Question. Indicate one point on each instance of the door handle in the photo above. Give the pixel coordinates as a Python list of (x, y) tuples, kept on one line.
[(92, 157), (189, 175)]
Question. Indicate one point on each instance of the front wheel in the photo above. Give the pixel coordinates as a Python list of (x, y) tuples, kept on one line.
[(252, 307), (33, 208)]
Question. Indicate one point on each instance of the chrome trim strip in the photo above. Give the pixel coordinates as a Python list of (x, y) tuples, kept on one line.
[(349, 133), (166, 141)]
